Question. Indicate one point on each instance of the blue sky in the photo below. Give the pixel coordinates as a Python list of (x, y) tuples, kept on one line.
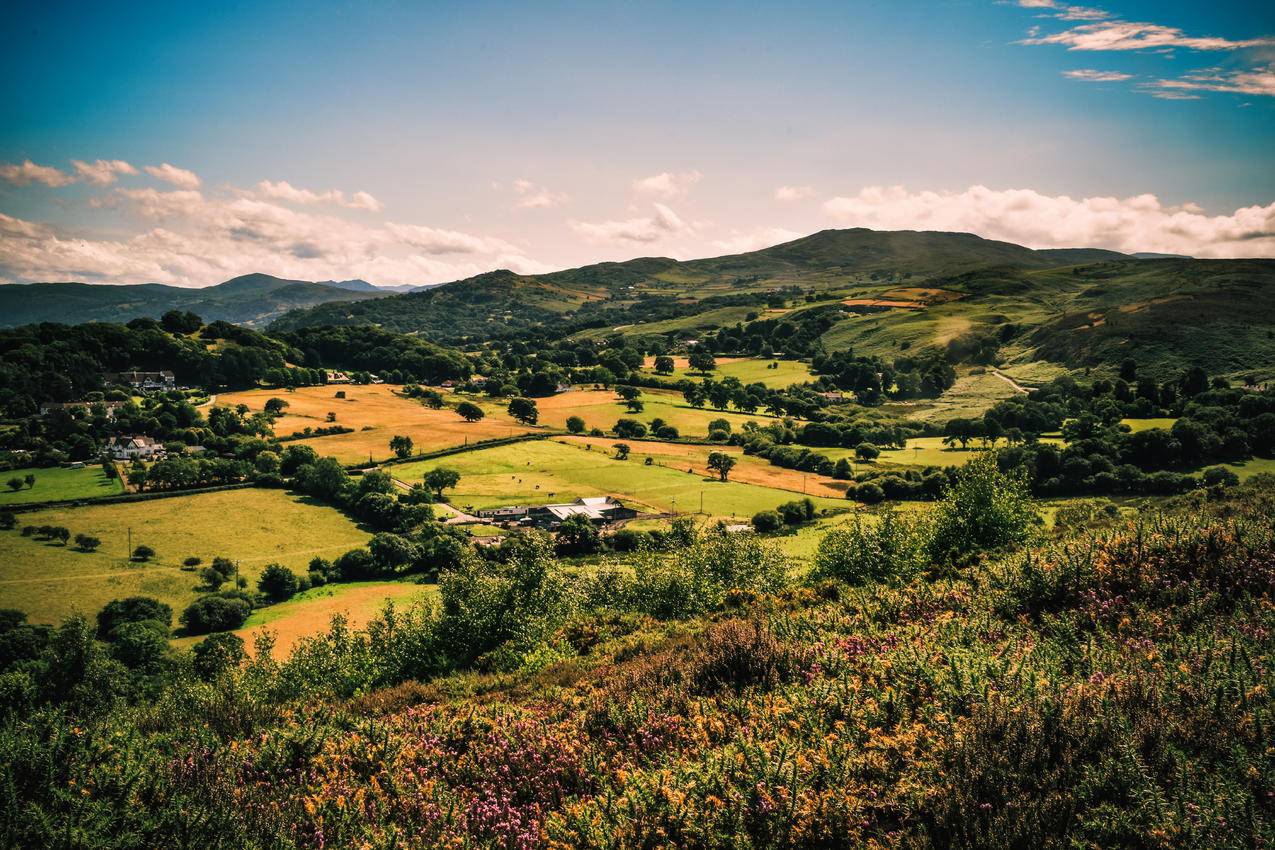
[(465, 136)]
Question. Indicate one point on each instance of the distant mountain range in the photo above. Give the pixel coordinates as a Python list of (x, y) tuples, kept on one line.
[(252, 299)]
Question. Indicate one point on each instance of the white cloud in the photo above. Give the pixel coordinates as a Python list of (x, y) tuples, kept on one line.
[(663, 224), (28, 172), (1259, 81), (1131, 35), (285, 191), (666, 184), (191, 238), (102, 172), (1089, 75), (1026, 217), (179, 177), (535, 197), (1065, 12), (755, 240), (793, 193)]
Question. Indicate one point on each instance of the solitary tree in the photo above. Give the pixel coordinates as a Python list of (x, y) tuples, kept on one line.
[(143, 553), (575, 424), (469, 411), (635, 405), (275, 406), (702, 360), (664, 365), (621, 451), (277, 583), (29, 478), (721, 463), (866, 451), (524, 410), (401, 445), (86, 542), (15, 483), (441, 479)]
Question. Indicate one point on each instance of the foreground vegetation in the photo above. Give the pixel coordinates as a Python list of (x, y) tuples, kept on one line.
[(958, 681)]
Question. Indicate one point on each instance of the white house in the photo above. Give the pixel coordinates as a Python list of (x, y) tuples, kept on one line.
[(133, 448)]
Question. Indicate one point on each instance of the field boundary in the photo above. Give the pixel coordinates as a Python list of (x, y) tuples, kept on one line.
[(123, 498), (461, 449)]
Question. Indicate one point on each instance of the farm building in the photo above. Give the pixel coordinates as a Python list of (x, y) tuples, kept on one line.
[(133, 448), (161, 380), (598, 509)]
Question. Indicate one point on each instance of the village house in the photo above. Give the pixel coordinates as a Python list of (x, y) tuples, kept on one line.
[(339, 378), (133, 448), (161, 380)]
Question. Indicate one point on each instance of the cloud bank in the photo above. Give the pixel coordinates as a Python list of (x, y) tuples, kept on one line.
[(1026, 217)]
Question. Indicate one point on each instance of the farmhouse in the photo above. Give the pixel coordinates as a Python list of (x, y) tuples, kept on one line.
[(598, 509), (133, 448), (161, 380), (338, 378)]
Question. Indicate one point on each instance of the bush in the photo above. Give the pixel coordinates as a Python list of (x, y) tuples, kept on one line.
[(133, 609), (7, 520), (192, 562), (765, 522), (215, 613), (985, 509), (143, 553), (1219, 476), (797, 511), (277, 583), (216, 654), (700, 576), (87, 542), (892, 548), (867, 492)]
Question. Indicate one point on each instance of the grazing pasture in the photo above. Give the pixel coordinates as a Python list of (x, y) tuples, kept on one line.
[(601, 408), (49, 581), (554, 471), (377, 412), (749, 370), (56, 484)]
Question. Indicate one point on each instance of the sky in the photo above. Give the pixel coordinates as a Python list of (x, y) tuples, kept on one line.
[(421, 142)]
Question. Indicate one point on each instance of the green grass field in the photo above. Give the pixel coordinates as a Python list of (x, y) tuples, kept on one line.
[(256, 527), (601, 409), (56, 484), (749, 370), (1136, 425), (550, 471)]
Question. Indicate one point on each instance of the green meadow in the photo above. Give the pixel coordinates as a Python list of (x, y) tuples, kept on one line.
[(57, 484)]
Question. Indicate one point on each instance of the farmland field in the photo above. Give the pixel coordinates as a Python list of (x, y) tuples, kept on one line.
[(255, 527), (601, 409), (56, 484), (376, 413), (309, 612), (749, 370), (553, 471)]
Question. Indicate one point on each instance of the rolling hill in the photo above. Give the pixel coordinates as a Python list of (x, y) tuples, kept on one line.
[(252, 300)]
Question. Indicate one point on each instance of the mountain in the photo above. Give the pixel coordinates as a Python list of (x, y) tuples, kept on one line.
[(252, 300), (1075, 307)]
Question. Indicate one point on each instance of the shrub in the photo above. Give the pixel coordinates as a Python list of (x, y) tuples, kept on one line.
[(143, 553), (87, 542), (867, 492), (797, 511), (277, 583), (216, 654), (215, 613), (133, 609), (699, 576), (764, 522), (891, 548), (7, 520), (192, 562), (985, 509)]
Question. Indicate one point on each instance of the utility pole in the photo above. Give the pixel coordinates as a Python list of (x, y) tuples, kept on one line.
[(701, 502), (129, 554)]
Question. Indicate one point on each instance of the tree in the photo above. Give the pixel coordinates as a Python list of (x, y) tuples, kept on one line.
[(29, 480), (393, 553), (721, 463), (143, 553), (629, 429), (765, 522), (635, 405), (432, 399), (577, 535), (86, 542), (132, 609), (866, 452), (842, 471), (217, 654), (694, 395), (469, 411), (277, 583), (621, 451), (7, 520), (60, 533), (440, 479), (325, 479), (575, 424), (401, 445), (702, 360), (15, 484), (524, 410), (890, 548), (215, 613), (137, 477), (628, 393), (213, 578), (275, 406), (664, 365), (985, 509)]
